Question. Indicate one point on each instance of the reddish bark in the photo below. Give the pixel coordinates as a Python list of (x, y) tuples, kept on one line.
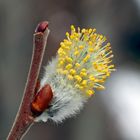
[(24, 117)]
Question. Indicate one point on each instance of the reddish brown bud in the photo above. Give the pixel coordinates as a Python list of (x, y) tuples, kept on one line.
[(42, 100), (41, 27)]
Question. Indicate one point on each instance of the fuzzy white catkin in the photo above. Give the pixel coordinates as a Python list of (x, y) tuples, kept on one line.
[(67, 100), (82, 65)]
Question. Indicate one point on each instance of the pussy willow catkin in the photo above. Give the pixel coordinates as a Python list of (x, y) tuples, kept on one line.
[(82, 64)]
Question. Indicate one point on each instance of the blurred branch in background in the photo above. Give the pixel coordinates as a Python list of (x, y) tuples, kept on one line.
[(101, 119)]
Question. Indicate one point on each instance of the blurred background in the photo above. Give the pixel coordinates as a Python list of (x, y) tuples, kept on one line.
[(113, 114)]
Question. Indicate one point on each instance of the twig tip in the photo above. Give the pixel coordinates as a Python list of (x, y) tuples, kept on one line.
[(41, 27)]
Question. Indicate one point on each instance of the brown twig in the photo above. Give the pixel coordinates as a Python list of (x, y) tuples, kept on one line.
[(24, 117)]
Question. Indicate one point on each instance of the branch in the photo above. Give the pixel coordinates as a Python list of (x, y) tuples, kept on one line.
[(24, 118)]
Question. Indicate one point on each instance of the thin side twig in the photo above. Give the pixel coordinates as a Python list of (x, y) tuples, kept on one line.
[(24, 117)]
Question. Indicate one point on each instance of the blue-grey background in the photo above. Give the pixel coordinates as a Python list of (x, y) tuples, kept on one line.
[(113, 114)]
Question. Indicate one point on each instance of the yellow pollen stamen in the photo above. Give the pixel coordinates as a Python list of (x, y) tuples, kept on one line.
[(67, 34), (90, 30), (89, 92), (69, 66), (83, 74), (76, 53), (101, 87), (85, 59), (72, 71), (92, 78), (78, 78), (65, 72), (91, 49), (79, 87), (81, 47), (69, 59), (90, 43), (70, 77), (77, 65), (61, 62), (83, 70), (83, 30), (72, 28), (84, 82), (111, 66)]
